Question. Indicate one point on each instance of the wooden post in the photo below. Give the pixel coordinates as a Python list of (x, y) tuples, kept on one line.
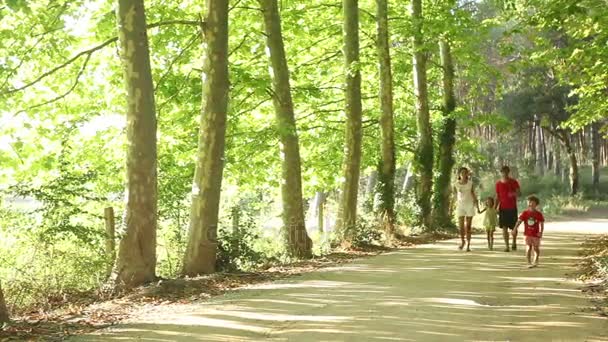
[(320, 210), (4, 318), (110, 239)]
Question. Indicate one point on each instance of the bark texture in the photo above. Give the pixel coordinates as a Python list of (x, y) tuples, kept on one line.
[(423, 161), (4, 316), (347, 215), (201, 252), (574, 177), (298, 242), (595, 151), (136, 261), (445, 162), (387, 125)]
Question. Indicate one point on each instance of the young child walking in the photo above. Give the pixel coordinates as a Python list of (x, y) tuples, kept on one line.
[(490, 220), (534, 223), (466, 202)]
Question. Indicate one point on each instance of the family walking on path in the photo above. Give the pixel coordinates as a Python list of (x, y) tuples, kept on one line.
[(505, 205)]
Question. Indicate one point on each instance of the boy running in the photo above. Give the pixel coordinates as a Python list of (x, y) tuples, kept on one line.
[(507, 191), (534, 223)]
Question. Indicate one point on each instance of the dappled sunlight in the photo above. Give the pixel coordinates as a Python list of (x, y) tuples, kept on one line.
[(433, 293)]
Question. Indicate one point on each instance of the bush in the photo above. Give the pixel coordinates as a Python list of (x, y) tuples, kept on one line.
[(237, 246), (407, 209), (367, 233)]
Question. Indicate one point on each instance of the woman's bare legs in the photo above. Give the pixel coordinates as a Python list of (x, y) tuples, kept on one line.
[(469, 221), (461, 226)]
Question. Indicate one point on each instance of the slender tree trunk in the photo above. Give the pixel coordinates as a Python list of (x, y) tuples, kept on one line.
[(558, 159), (540, 159), (595, 142), (370, 191), (4, 316), (136, 261), (423, 160), (298, 242), (441, 210), (550, 151), (201, 252), (574, 177), (347, 215), (321, 197), (533, 149), (387, 125)]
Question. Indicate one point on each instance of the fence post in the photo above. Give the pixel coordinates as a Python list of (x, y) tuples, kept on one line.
[(110, 239)]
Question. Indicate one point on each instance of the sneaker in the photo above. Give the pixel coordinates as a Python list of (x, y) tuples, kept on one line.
[(507, 249), (514, 248), (531, 266)]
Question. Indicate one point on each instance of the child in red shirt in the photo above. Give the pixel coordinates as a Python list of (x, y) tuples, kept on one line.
[(534, 223)]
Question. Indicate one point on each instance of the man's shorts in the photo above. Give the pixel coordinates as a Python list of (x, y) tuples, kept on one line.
[(507, 218), (532, 241)]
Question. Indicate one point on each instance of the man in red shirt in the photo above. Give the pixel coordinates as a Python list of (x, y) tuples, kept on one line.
[(534, 223), (507, 191)]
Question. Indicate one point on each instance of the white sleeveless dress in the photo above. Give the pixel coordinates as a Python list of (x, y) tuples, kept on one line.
[(465, 203)]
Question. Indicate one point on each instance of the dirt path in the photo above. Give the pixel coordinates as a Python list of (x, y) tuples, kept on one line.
[(428, 293)]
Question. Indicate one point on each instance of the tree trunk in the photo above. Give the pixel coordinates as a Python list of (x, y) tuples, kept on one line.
[(298, 243), (136, 261), (110, 224), (423, 160), (4, 316), (558, 159), (533, 150), (540, 159), (387, 125), (441, 210), (321, 197), (574, 177), (595, 142), (201, 252), (370, 191), (352, 157)]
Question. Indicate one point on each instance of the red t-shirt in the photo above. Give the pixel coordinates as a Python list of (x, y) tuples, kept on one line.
[(507, 193), (532, 220)]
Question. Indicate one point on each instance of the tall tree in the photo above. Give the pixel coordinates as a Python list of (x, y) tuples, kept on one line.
[(347, 215), (201, 252), (595, 150), (387, 124), (136, 261), (423, 160), (298, 242), (441, 201), (566, 139), (4, 317)]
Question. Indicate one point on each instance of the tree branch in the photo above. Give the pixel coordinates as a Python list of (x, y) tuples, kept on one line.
[(180, 55), (90, 51), (80, 72)]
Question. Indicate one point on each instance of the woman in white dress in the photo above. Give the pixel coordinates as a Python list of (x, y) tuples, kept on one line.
[(466, 205)]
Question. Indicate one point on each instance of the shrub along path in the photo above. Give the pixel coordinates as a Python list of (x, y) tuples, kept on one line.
[(428, 293)]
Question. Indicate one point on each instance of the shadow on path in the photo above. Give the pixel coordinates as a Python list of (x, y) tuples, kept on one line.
[(429, 293)]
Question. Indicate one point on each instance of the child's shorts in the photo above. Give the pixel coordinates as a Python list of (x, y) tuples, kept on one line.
[(532, 241), (490, 229)]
